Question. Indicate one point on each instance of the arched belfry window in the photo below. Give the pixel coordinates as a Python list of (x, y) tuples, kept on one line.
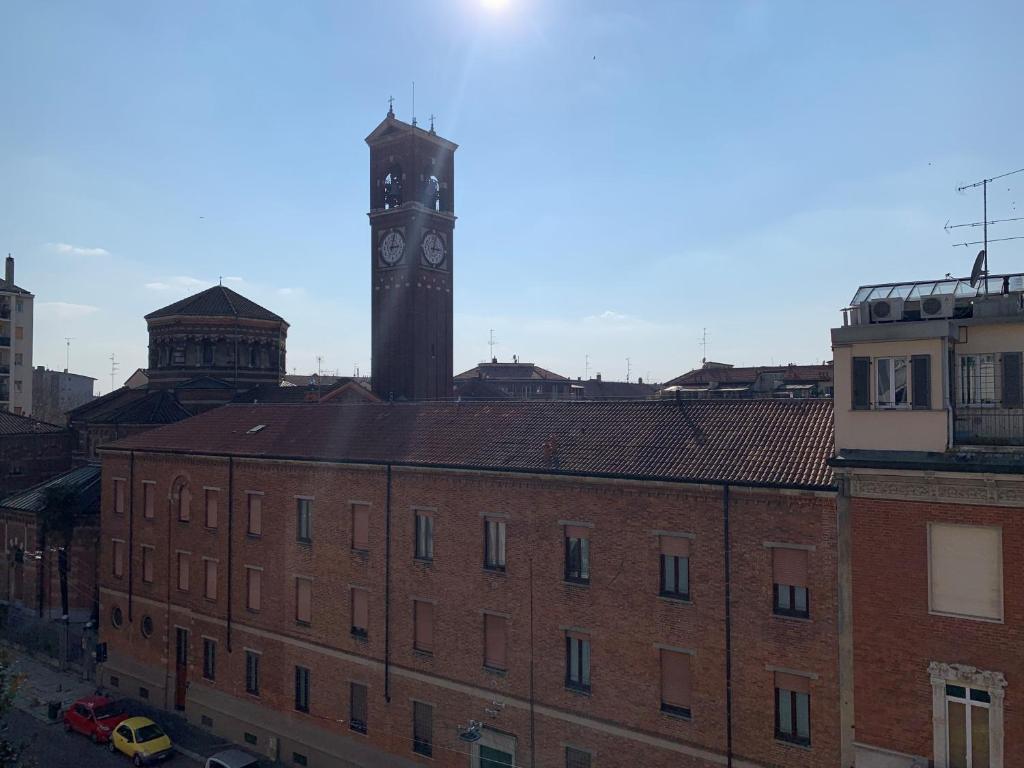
[(393, 187), (181, 499), (432, 194)]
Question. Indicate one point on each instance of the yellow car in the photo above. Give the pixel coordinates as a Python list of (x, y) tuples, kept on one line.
[(142, 740)]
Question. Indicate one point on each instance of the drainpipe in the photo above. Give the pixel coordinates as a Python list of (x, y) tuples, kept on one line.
[(387, 589), (844, 615), (728, 625), (231, 513)]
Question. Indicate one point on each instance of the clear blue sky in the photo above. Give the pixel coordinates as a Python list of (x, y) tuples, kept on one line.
[(629, 172)]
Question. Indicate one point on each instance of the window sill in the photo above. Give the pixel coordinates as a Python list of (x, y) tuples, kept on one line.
[(425, 561), (360, 637), (420, 653), (494, 571), (303, 624), (251, 535), (495, 671), (576, 583), (304, 542), (252, 610), (360, 552), (361, 730), (788, 743), (578, 690), (210, 528), (676, 713), (680, 600), (788, 617), (428, 755)]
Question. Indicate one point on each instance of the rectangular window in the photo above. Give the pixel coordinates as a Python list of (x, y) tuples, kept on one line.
[(577, 661), (361, 526), (19, 332), (793, 708), (967, 726), (253, 587), (977, 379), (302, 689), (495, 641), (211, 507), (17, 385), (357, 708), (207, 353), (184, 504), (965, 570), (299, 759), (424, 535), (494, 544), (921, 382), (422, 729), (148, 499), (147, 564), (576, 758), (119, 496), (117, 558), (304, 520), (675, 683), (360, 612), (210, 588), (19, 306), (423, 621), (252, 673), (675, 567), (789, 588), (304, 601), (209, 658), (891, 382), (1013, 380), (577, 554), (18, 358), (184, 566), (255, 521)]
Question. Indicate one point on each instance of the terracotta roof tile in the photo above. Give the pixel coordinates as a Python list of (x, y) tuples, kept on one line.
[(14, 424), (774, 442)]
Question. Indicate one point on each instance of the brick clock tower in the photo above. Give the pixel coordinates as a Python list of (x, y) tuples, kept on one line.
[(412, 216)]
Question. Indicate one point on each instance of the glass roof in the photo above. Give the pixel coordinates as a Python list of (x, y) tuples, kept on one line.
[(959, 287)]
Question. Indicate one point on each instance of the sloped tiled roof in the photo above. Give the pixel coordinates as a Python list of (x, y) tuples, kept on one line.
[(131, 406), (748, 375), (217, 301), (598, 389), (12, 288), (13, 424), (84, 481), (760, 442)]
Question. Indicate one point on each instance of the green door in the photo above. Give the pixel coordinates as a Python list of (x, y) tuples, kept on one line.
[(494, 758)]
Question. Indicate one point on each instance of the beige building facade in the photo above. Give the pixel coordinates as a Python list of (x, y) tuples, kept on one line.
[(15, 345)]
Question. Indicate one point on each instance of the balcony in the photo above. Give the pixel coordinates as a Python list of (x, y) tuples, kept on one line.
[(5, 369), (5, 341), (5, 313), (988, 426)]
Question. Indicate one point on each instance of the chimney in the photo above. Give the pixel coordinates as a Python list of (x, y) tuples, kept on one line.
[(640, 380), (9, 274), (599, 377)]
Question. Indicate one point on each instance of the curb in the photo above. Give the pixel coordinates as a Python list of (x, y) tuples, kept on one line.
[(191, 755)]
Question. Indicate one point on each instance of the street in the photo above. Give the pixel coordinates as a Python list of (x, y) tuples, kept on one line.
[(50, 747)]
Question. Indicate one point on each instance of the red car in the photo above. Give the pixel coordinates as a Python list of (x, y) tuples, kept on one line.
[(94, 716)]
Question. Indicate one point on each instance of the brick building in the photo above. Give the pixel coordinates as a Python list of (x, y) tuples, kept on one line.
[(31, 451), (54, 393), (929, 430), (614, 584), (727, 381)]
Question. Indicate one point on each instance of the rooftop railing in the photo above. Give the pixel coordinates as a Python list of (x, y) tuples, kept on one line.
[(988, 426)]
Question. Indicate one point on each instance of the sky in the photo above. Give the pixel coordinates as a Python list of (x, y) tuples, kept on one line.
[(629, 173)]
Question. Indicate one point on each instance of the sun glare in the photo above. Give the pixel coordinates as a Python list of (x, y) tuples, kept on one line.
[(494, 5)]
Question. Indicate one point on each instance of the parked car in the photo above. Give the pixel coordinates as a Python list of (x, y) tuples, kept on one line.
[(232, 758), (142, 740), (95, 717)]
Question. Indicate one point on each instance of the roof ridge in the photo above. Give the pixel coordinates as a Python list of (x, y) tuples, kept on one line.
[(227, 298)]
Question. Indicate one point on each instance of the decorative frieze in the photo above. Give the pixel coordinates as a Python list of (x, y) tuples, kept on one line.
[(946, 489)]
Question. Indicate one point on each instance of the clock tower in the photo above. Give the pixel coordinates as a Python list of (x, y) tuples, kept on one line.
[(412, 217)]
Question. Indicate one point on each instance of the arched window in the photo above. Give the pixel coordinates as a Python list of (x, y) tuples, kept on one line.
[(254, 356), (433, 193), (393, 187), (181, 499)]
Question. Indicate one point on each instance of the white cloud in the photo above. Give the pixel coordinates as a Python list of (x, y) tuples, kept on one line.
[(179, 284), (77, 250), (289, 291), (608, 316), (64, 310)]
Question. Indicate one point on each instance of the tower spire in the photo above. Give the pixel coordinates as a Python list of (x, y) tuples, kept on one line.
[(391, 106)]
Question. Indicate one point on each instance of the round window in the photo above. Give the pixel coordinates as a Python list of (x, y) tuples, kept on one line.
[(116, 617), (147, 626)]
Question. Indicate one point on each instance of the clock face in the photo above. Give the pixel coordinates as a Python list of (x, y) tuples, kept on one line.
[(392, 247), (433, 249)]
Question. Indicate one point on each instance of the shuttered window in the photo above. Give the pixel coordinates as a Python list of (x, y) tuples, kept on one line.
[(675, 567), (921, 382), (789, 577), (424, 535), (147, 564), (209, 658), (577, 554), (793, 708), (184, 504), (252, 673), (577, 661), (494, 544), (360, 526), (184, 566), (255, 526), (148, 499), (423, 621), (119, 496), (210, 592), (675, 683), (304, 520), (304, 601), (117, 558), (1013, 386), (211, 507), (495, 640), (861, 385), (357, 707), (302, 689), (360, 612), (253, 588), (965, 570), (422, 729)]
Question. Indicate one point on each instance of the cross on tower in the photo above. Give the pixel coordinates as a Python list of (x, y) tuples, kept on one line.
[(391, 105), (432, 122)]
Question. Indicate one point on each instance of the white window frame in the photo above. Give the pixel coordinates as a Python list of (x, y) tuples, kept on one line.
[(993, 683), (890, 364), (977, 380)]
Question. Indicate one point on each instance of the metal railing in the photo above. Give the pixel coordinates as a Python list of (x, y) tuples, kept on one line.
[(988, 426)]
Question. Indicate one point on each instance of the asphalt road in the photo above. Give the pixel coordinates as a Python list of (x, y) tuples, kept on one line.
[(50, 747)]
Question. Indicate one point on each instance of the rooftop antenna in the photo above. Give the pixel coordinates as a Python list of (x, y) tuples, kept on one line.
[(704, 344), (67, 359), (391, 106), (414, 102), (432, 123), (981, 263), (629, 369), (114, 365), (491, 343), (586, 367)]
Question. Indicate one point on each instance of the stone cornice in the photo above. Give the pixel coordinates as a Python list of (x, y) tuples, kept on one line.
[(1002, 491)]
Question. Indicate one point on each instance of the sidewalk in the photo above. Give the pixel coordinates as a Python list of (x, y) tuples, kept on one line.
[(42, 682)]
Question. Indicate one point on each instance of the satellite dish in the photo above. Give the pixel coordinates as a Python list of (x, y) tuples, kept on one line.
[(471, 733), (978, 268)]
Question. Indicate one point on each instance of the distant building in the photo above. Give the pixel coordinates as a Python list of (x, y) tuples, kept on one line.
[(312, 389), (54, 393), (15, 345), (724, 380), (526, 381), (599, 389), (31, 451)]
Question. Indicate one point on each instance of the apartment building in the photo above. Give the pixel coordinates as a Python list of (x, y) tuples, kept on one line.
[(929, 442), (541, 584), (15, 345)]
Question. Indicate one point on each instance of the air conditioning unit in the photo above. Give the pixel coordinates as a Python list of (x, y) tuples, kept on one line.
[(886, 310), (937, 306)]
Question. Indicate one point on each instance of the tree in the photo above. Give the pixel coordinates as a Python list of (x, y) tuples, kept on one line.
[(58, 518)]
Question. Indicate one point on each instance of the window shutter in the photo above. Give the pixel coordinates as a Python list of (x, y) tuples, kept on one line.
[(577, 532), (147, 499), (254, 588), (211, 509), (861, 383), (1013, 396), (676, 546), (255, 514), (211, 579), (184, 504), (183, 571), (789, 566), (494, 641), (675, 679), (304, 600), (795, 683), (119, 496), (360, 526), (424, 630), (360, 609), (921, 382)]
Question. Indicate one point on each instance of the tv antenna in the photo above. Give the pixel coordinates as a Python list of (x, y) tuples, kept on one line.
[(704, 344), (629, 369), (114, 365), (67, 358), (981, 263), (491, 343), (586, 367)]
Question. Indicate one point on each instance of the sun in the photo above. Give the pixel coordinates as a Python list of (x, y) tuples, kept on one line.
[(494, 5)]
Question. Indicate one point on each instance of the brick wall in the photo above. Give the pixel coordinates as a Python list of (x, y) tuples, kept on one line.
[(30, 459), (620, 721)]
